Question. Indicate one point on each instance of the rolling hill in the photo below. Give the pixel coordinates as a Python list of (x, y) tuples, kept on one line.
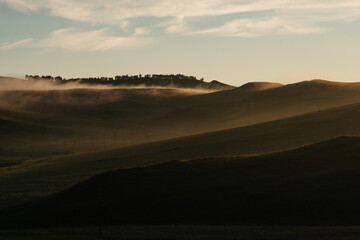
[(40, 177), (260, 102), (312, 185), (79, 120)]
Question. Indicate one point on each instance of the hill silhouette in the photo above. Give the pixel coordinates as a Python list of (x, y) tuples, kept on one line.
[(311, 185)]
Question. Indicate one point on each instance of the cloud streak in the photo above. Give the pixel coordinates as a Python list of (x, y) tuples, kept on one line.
[(110, 11), (284, 16), (73, 40), (25, 42)]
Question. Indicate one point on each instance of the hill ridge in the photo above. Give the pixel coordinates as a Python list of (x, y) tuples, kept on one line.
[(259, 86)]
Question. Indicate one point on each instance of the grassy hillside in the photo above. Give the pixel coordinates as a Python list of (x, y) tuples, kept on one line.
[(43, 176), (79, 120), (39, 177), (311, 185), (39, 127)]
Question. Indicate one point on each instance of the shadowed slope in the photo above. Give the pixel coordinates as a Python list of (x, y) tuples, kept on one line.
[(40, 177), (312, 185), (258, 102)]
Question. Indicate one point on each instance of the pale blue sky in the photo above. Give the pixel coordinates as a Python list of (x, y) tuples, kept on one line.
[(233, 41)]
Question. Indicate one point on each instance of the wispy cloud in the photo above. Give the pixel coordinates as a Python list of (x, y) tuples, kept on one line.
[(98, 40), (176, 25), (113, 10), (25, 42), (249, 27), (73, 40), (141, 31), (285, 16)]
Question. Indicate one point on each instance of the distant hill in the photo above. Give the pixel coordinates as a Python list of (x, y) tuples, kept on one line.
[(163, 81), (259, 86), (154, 80), (260, 102), (312, 185)]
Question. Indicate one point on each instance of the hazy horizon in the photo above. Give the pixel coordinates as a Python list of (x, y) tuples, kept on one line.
[(20, 76)]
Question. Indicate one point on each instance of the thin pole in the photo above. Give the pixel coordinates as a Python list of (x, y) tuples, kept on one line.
[(100, 216)]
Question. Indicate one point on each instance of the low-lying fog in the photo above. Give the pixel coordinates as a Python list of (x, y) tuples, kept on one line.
[(11, 84), (44, 113)]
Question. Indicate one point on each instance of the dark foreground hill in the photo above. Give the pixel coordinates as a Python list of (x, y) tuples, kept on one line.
[(313, 185)]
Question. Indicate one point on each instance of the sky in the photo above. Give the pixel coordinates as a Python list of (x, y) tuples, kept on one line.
[(232, 41)]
